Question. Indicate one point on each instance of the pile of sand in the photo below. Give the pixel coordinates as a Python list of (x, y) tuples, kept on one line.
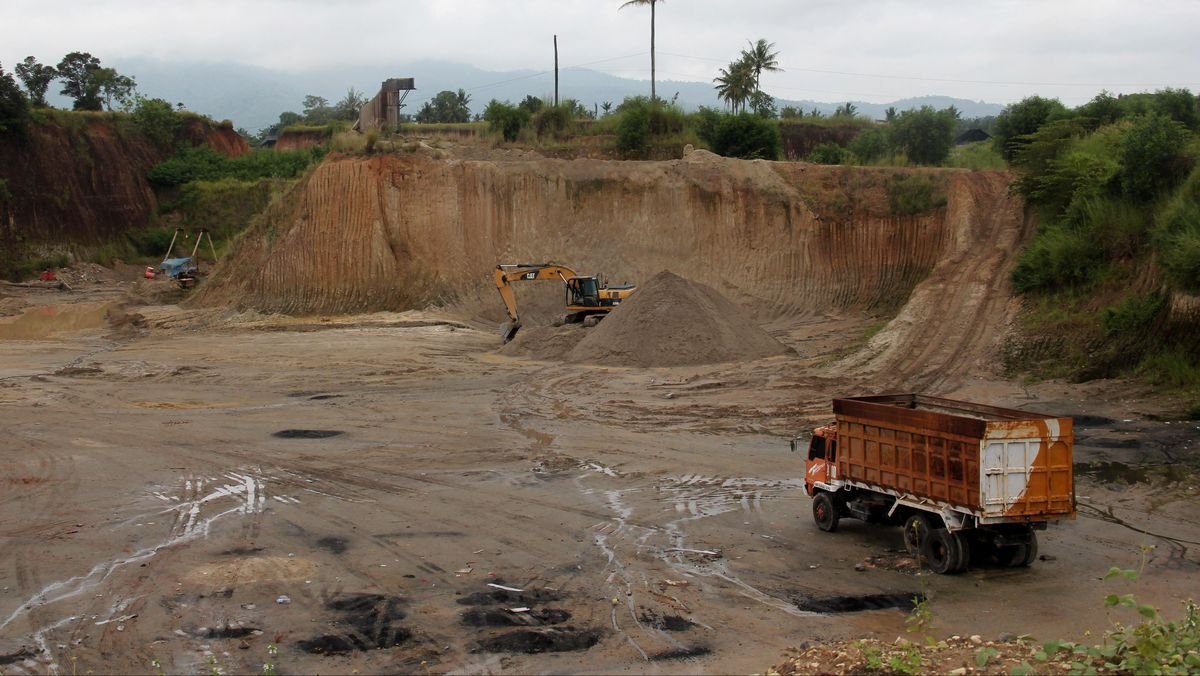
[(671, 321), (544, 343)]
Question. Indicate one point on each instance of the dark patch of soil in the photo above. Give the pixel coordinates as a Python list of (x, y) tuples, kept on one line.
[(665, 622), (854, 604), (227, 632), (307, 434), (19, 656), (531, 641), (681, 653), (529, 597), (321, 397), (242, 551), (498, 617), (371, 623), (337, 545)]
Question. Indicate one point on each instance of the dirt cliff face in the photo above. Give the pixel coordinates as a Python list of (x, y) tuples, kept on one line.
[(397, 232), (221, 137), (84, 183), (82, 180)]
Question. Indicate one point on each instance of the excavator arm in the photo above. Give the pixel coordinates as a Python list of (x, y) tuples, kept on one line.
[(505, 275)]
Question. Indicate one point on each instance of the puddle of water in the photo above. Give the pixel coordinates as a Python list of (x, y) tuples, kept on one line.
[(855, 604), (306, 434), (1113, 472), (48, 320)]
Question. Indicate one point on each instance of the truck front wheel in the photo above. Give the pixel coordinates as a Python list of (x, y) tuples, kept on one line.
[(825, 512), (916, 529)]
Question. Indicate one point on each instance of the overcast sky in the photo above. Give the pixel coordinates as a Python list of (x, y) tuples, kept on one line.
[(871, 50)]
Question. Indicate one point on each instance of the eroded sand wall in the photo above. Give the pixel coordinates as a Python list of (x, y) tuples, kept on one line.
[(397, 232)]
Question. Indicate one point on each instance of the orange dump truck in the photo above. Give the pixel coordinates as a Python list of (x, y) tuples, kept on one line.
[(960, 477)]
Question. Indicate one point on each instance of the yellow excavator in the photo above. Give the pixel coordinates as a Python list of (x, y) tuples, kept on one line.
[(588, 297)]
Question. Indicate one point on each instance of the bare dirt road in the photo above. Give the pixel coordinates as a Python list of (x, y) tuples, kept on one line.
[(202, 485)]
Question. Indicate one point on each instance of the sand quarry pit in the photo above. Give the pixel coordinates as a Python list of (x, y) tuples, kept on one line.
[(379, 492)]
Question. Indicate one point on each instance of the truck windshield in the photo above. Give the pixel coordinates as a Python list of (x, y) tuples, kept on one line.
[(816, 448)]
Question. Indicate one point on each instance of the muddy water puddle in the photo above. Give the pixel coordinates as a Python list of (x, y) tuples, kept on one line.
[(49, 320)]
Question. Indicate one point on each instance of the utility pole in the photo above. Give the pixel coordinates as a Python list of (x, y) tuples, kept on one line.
[(555, 71)]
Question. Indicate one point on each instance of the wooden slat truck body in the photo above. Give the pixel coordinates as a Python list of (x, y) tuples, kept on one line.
[(959, 476)]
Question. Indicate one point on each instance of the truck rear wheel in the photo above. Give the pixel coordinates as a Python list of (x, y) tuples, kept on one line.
[(945, 552), (825, 512), (916, 530), (1016, 556)]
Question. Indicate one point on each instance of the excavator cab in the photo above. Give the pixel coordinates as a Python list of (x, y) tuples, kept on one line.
[(583, 291)]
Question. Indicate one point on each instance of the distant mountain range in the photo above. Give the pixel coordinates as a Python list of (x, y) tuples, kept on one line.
[(254, 97)]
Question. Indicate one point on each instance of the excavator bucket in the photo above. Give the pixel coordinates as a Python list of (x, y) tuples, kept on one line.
[(509, 330)]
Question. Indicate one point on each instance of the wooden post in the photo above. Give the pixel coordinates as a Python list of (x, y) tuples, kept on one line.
[(555, 71)]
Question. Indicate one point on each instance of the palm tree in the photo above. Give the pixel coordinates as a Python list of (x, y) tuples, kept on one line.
[(652, 3), (761, 58), (736, 84)]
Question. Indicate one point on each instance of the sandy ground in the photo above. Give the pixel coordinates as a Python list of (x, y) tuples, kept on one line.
[(199, 486)]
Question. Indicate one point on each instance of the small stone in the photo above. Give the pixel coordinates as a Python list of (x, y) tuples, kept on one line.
[(959, 671), (283, 600), (1007, 636), (942, 645), (860, 567), (976, 639)]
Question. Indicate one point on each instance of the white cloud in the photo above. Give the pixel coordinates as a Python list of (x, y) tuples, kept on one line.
[(997, 50)]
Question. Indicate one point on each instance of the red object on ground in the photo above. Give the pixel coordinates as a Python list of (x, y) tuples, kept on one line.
[(48, 275), (149, 273)]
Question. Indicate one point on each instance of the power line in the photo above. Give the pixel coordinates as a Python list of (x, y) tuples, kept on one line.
[(960, 81), (547, 72)]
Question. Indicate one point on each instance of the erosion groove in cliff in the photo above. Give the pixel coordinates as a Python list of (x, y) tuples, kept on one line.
[(396, 232)]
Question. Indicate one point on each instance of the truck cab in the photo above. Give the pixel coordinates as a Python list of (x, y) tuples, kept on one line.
[(820, 465)]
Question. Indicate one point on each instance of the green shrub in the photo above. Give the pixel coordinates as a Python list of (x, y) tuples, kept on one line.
[(553, 121), (1058, 257), (870, 144), (1151, 157), (1180, 257), (1023, 118), (925, 135), (157, 121), (830, 153), (915, 194), (506, 119), (633, 131), (1170, 368), (203, 163), (153, 242), (29, 268), (1134, 316), (1177, 235), (976, 156), (747, 136)]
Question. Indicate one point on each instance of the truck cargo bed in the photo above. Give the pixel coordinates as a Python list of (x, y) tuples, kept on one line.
[(1001, 465)]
